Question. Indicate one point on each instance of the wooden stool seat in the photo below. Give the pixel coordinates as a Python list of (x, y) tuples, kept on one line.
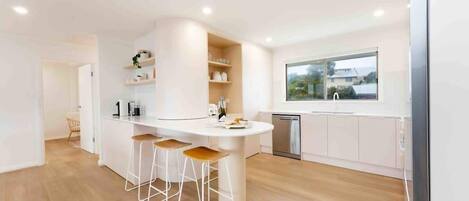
[(145, 137), (204, 154), (171, 144)]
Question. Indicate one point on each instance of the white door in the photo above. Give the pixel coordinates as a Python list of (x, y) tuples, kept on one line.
[(86, 108)]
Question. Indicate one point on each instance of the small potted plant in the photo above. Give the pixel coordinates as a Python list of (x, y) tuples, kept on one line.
[(142, 54)]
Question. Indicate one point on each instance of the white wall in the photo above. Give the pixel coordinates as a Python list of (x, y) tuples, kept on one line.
[(21, 113), (393, 44), (182, 72), (64, 52), (257, 80), (145, 94), (21, 133), (60, 93), (109, 79), (449, 95), (113, 56)]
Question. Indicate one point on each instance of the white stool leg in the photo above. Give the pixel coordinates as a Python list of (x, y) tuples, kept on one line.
[(178, 154), (208, 181), (182, 179), (152, 171), (167, 176), (196, 181), (140, 169), (203, 182), (128, 166)]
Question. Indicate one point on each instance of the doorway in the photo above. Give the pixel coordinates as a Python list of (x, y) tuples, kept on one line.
[(67, 100)]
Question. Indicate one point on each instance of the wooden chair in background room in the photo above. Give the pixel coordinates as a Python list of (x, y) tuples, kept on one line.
[(73, 124)]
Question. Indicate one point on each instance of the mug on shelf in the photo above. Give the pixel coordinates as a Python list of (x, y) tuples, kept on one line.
[(224, 76), (216, 76)]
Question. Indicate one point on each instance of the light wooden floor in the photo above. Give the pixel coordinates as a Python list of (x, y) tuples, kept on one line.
[(72, 175)]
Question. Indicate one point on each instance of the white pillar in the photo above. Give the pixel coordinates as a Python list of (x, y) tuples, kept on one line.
[(181, 69), (237, 165)]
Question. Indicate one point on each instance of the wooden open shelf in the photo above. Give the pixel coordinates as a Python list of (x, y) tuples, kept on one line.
[(145, 63), (219, 47), (142, 82), (219, 82), (218, 64)]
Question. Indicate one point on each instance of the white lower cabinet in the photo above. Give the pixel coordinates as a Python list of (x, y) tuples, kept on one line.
[(342, 140), (266, 139), (363, 143), (378, 141), (116, 150), (314, 134)]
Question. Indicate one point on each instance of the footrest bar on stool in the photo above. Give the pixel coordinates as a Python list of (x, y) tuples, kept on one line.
[(190, 178), (169, 197), (211, 180), (136, 186), (220, 193), (161, 192)]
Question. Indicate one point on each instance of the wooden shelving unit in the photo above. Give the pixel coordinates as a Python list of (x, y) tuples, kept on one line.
[(142, 82), (219, 82), (145, 63), (219, 47), (218, 64)]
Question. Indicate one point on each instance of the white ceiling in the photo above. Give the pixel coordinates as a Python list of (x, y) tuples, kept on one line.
[(77, 21)]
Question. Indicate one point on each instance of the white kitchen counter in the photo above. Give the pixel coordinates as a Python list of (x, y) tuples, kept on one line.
[(202, 127), (331, 113)]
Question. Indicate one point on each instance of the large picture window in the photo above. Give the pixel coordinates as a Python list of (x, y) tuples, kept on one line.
[(352, 77)]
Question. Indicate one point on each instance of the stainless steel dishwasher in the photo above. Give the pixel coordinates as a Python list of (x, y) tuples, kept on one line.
[(286, 136)]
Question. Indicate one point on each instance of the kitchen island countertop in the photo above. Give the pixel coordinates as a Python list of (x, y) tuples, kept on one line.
[(204, 127)]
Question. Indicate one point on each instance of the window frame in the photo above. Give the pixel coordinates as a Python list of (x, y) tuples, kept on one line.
[(333, 58)]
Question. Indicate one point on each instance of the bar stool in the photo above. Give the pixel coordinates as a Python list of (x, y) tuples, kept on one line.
[(166, 146), (207, 156), (140, 139)]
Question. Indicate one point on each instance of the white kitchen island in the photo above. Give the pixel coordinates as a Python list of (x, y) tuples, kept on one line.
[(118, 130)]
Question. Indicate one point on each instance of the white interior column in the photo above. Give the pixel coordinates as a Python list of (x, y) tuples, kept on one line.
[(237, 166), (181, 69)]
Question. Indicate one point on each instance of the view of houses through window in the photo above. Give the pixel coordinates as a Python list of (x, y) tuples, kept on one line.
[(352, 77)]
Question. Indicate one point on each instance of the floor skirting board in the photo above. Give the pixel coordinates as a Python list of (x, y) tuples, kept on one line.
[(11, 168), (266, 149), (364, 167), (61, 137), (359, 166)]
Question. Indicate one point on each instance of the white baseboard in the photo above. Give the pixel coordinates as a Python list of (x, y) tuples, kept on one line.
[(12, 168), (56, 138), (353, 165), (363, 167), (266, 149)]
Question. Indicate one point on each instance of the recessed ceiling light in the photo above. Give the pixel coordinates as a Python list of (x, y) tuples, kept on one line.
[(408, 5), (378, 13), (20, 10), (268, 39), (207, 10)]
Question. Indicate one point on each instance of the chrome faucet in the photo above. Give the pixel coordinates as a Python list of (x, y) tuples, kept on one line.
[(335, 96)]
